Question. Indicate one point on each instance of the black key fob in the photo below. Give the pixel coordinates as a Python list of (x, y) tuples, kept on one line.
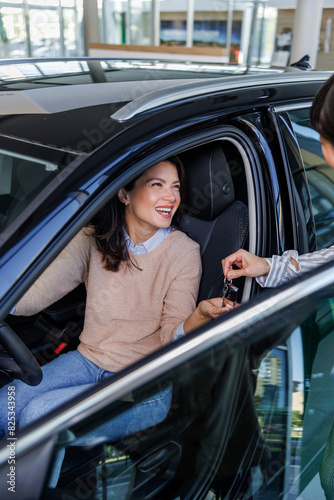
[(230, 292)]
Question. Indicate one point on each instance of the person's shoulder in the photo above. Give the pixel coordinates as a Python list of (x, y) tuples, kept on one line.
[(87, 233), (83, 241), (180, 238), (84, 236), (183, 252)]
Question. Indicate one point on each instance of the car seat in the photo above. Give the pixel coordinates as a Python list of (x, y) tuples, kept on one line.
[(212, 214)]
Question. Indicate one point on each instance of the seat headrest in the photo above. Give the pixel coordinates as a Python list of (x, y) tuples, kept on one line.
[(31, 176), (209, 182)]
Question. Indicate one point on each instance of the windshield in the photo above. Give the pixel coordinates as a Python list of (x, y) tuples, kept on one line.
[(21, 180)]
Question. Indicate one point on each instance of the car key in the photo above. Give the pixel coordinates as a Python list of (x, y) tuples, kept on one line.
[(229, 292)]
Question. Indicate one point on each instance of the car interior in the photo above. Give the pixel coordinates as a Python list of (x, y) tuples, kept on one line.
[(216, 214)]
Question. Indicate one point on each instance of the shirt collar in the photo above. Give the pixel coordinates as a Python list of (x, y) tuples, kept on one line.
[(148, 245)]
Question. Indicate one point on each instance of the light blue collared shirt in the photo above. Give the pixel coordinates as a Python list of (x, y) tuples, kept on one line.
[(146, 247)]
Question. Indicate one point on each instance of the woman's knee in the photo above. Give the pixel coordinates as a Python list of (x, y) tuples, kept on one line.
[(32, 412), (46, 402)]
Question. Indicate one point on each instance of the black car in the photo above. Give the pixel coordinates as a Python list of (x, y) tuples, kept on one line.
[(253, 398)]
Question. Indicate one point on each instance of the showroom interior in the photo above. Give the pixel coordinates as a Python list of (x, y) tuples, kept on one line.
[(259, 32)]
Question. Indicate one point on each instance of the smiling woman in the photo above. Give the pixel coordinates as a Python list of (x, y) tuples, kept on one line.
[(143, 206), (142, 279), (153, 202)]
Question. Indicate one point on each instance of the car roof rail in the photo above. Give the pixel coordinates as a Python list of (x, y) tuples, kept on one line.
[(168, 95)]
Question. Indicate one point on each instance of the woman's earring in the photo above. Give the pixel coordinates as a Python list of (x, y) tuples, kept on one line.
[(122, 196)]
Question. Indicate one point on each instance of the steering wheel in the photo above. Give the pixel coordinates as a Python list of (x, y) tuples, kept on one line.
[(18, 361)]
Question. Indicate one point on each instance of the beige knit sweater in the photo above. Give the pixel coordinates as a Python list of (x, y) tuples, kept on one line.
[(129, 313)]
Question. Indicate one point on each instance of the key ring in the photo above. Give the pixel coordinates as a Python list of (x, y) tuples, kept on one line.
[(229, 292), (227, 282)]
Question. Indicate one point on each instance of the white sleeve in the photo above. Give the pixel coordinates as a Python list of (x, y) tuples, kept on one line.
[(282, 270)]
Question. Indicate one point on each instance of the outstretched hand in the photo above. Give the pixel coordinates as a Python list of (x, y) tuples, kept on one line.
[(249, 265), (213, 308), (206, 310)]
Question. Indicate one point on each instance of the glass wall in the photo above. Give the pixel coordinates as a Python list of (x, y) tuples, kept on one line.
[(243, 30), (126, 21), (40, 28), (263, 33)]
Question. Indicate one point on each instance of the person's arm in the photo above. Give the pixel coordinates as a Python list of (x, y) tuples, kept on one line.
[(204, 312), (283, 268), (271, 272), (180, 314), (248, 265), (66, 272)]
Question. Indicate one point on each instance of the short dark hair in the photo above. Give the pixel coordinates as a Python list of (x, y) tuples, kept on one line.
[(322, 110)]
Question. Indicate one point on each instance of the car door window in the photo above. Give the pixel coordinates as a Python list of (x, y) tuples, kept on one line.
[(320, 176), (250, 412)]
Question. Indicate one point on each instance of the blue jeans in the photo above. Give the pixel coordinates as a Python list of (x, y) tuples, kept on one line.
[(138, 417), (64, 378)]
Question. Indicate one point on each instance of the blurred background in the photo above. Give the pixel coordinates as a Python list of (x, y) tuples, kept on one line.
[(259, 32)]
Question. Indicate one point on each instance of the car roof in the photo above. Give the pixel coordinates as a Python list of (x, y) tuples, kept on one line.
[(33, 73), (56, 103), (28, 85)]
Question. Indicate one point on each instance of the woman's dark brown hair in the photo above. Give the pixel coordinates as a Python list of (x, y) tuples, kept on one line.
[(322, 111), (108, 224)]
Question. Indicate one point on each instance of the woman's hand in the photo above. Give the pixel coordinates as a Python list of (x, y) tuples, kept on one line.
[(249, 265), (206, 310), (212, 308)]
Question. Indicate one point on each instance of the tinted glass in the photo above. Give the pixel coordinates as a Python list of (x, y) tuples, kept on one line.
[(272, 404), (249, 415), (319, 174), (21, 180)]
